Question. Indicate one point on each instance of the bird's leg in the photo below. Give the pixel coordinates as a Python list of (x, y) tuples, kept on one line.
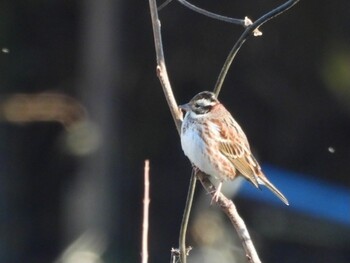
[(194, 169), (217, 193), (215, 197)]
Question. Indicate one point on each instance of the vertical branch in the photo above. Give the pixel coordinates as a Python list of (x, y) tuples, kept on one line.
[(186, 216), (145, 224), (177, 117), (161, 67)]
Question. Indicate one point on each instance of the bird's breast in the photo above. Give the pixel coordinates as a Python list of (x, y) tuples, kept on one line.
[(195, 149)]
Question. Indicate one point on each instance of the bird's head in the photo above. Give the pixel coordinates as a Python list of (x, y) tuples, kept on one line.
[(201, 104)]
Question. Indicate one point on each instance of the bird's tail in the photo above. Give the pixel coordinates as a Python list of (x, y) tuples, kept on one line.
[(264, 181)]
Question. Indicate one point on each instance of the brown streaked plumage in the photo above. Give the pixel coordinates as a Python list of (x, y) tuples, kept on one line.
[(216, 144)]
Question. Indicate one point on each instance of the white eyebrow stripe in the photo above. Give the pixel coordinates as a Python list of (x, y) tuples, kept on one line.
[(205, 102)]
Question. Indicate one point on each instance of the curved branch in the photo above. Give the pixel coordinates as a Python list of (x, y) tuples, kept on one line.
[(213, 15), (250, 29)]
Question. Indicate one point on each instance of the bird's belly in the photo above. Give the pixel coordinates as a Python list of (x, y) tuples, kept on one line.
[(195, 149)]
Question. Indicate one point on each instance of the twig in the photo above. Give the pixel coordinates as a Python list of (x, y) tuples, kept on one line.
[(164, 5), (262, 20), (230, 210), (213, 15), (161, 68), (177, 117), (186, 216), (146, 201)]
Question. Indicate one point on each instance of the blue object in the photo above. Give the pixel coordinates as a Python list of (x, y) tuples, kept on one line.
[(305, 195)]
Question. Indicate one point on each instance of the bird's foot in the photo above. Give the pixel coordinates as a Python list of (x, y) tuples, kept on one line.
[(216, 194)]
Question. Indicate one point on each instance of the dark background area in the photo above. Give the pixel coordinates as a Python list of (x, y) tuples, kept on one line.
[(74, 192)]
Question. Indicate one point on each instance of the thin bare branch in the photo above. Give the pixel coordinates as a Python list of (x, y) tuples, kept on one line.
[(213, 15), (186, 216), (145, 224), (161, 67), (175, 112), (230, 210), (164, 4), (250, 29)]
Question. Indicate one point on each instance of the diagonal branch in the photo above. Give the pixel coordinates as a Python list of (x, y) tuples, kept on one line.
[(164, 5), (262, 20), (230, 210)]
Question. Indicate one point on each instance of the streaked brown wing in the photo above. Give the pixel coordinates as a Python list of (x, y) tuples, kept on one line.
[(234, 146)]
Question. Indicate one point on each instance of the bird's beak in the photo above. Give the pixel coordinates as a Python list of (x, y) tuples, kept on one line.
[(185, 107)]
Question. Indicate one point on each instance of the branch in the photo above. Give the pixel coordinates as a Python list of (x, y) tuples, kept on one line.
[(146, 201), (161, 68), (202, 11), (250, 29), (185, 217), (177, 117), (226, 205), (246, 22), (230, 210)]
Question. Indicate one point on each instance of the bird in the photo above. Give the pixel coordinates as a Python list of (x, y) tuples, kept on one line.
[(216, 144)]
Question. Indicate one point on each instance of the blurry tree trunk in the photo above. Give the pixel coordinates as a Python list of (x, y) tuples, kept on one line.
[(88, 207)]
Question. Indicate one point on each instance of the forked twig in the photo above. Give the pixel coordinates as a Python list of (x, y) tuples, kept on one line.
[(145, 224)]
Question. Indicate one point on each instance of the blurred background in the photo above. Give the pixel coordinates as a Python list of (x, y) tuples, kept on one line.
[(81, 109)]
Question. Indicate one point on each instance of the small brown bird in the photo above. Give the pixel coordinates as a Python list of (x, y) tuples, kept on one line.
[(216, 144)]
